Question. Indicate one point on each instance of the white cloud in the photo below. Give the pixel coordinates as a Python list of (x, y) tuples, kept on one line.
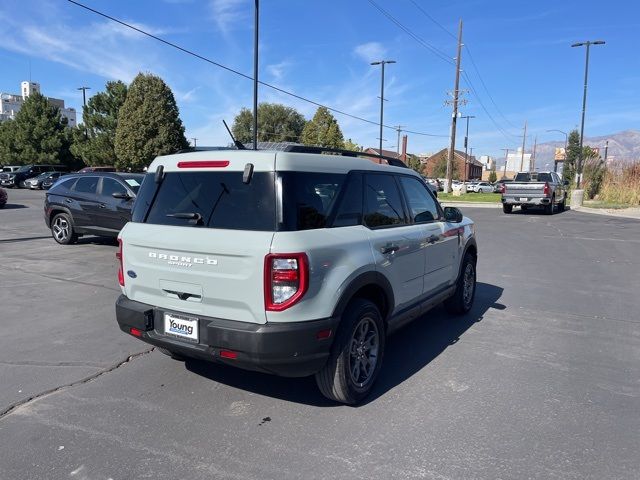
[(370, 52), (228, 13), (278, 70)]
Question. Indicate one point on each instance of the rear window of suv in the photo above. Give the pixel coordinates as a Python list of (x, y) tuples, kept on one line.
[(208, 199)]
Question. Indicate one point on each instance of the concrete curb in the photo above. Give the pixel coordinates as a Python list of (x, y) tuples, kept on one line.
[(471, 204), (623, 212)]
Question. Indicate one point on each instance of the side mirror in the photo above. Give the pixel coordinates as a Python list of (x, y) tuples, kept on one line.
[(122, 195), (452, 214), (566, 183)]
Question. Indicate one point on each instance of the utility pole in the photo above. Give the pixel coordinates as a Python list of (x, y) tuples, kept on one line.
[(382, 63), (606, 151), (524, 138), (454, 116), (532, 163), (466, 144), (194, 142), (584, 106), (506, 160), (255, 74), (398, 129)]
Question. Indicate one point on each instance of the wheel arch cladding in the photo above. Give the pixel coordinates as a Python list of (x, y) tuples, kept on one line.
[(371, 286)]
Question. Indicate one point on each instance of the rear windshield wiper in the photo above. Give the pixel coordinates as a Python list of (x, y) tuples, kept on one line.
[(196, 217)]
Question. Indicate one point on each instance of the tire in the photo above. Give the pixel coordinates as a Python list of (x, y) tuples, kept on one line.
[(171, 354), (548, 209), (360, 338), (562, 205), (524, 208), (62, 229), (462, 300), (507, 208)]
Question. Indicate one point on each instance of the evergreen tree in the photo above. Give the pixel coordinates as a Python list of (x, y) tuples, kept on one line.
[(572, 153), (7, 145), (37, 135), (100, 119), (493, 176), (148, 124), (349, 145), (276, 123), (323, 130)]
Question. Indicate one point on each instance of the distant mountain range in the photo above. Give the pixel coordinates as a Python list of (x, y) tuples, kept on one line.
[(623, 147)]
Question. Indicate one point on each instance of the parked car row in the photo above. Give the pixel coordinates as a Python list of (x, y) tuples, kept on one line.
[(33, 176)]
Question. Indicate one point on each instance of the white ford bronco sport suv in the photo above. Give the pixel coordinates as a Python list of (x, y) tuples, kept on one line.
[(289, 263)]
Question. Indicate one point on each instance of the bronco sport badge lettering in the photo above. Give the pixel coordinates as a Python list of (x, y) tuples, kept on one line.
[(183, 261)]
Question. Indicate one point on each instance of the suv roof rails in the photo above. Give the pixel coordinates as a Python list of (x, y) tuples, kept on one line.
[(297, 148)]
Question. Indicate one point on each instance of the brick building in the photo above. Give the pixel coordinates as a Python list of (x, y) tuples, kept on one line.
[(469, 164)]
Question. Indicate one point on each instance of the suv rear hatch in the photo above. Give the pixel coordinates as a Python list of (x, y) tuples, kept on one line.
[(198, 239)]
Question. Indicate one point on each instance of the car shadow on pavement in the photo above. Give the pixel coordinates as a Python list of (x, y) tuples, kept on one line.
[(13, 206), (537, 211), (89, 239), (408, 351)]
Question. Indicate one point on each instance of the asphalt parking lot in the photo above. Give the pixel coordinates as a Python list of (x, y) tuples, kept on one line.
[(540, 380)]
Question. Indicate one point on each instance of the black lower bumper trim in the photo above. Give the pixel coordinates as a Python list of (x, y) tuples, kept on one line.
[(285, 349)]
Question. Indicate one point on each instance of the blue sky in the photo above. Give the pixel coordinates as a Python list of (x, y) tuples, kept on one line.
[(321, 50)]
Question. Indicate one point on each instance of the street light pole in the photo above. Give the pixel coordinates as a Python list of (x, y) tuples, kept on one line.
[(382, 63), (255, 74), (584, 105), (466, 145), (84, 106), (566, 141)]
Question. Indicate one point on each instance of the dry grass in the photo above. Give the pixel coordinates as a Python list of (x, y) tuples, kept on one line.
[(621, 185)]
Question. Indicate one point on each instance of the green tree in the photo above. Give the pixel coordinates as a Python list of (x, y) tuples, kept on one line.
[(572, 153), (7, 144), (276, 123), (148, 124), (440, 167), (349, 145), (323, 130), (594, 171), (493, 176), (37, 135), (100, 118), (413, 162)]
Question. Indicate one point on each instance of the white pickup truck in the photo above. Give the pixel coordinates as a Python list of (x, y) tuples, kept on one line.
[(530, 189)]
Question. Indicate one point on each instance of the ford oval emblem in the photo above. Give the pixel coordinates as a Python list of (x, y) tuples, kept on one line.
[(132, 274)]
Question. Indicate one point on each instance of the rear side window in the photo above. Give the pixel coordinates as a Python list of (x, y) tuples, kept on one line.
[(308, 198), (86, 185), (383, 204), (422, 206), (208, 199), (111, 186), (349, 211)]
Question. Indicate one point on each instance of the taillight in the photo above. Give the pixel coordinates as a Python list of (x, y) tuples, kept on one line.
[(286, 278), (503, 188), (120, 268), (546, 191)]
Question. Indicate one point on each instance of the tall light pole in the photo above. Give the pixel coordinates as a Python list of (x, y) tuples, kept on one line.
[(255, 74), (566, 141), (382, 63), (584, 104), (84, 106), (466, 144)]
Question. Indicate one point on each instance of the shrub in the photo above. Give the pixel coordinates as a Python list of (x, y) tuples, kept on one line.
[(621, 184), (3, 197)]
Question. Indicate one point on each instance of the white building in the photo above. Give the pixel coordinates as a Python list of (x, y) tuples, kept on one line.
[(516, 162), (10, 104), (488, 163)]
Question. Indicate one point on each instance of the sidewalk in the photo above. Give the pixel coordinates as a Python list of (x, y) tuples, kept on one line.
[(632, 212)]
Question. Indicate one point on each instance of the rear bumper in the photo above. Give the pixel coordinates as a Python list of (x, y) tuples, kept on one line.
[(285, 349), (523, 200)]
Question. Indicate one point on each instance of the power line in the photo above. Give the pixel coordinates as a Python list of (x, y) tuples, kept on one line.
[(505, 133), (439, 53), (229, 69), (424, 12), (475, 67)]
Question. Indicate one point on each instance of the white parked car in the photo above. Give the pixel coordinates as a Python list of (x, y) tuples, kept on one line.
[(482, 187)]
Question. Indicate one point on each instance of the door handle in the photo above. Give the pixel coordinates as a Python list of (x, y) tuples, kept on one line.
[(389, 248), (103, 205), (68, 200), (433, 239)]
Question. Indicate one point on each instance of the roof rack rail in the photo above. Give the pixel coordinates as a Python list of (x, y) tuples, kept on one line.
[(394, 162), (204, 149)]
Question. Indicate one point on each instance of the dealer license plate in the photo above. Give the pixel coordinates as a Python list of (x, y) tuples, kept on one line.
[(179, 326)]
